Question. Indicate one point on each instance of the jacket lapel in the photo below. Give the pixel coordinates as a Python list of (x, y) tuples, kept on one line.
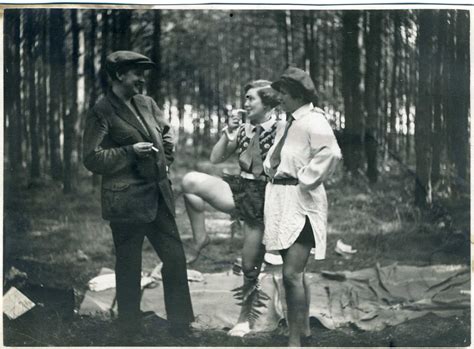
[(153, 129), (147, 118), (124, 112)]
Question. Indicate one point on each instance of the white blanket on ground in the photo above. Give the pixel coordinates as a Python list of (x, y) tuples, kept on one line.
[(370, 299)]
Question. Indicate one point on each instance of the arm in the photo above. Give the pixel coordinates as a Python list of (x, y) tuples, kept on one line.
[(99, 159), (168, 135), (224, 147), (325, 155)]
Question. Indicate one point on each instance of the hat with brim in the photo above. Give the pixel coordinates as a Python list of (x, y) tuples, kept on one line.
[(120, 59), (297, 80)]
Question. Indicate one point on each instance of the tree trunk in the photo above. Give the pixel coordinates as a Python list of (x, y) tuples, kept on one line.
[(154, 86), (324, 54), (461, 97), (409, 62), (90, 86), (281, 19), (385, 87), (351, 78), (218, 87), (424, 117), (104, 49), (335, 63), (392, 144), (89, 61), (43, 89), (373, 49), (307, 44), (56, 41), (13, 110), (121, 29), (314, 51), (70, 119), (440, 30), (289, 37), (30, 34)]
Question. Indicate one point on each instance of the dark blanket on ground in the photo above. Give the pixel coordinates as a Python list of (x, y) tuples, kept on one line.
[(370, 299)]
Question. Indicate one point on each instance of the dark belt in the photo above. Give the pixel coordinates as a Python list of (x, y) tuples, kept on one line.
[(284, 181)]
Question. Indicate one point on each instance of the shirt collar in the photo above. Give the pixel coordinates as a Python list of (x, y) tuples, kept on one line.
[(304, 109), (267, 125)]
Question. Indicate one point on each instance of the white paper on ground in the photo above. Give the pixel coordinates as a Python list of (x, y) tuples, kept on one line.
[(16, 303)]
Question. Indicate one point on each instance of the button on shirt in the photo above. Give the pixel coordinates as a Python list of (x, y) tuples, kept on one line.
[(310, 154)]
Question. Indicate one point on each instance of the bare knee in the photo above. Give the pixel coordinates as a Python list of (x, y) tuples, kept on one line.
[(292, 278), (190, 182)]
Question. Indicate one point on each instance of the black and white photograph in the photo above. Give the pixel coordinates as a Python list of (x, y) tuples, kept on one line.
[(236, 176)]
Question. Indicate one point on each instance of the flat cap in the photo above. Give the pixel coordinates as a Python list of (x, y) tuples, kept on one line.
[(119, 59), (296, 79)]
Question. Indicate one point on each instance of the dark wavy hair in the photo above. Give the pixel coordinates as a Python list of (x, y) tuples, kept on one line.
[(266, 93)]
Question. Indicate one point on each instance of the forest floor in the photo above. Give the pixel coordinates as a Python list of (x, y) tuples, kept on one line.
[(61, 242)]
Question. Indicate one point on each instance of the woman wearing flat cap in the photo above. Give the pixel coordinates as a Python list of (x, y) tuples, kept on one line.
[(304, 155), (129, 143)]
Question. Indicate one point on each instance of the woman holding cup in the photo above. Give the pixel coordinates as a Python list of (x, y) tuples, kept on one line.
[(243, 193)]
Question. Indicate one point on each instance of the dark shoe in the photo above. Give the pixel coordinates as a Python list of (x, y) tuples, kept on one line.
[(147, 314), (127, 332), (180, 330), (306, 341)]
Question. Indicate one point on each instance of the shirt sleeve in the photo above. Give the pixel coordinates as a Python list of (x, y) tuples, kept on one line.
[(325, 154), (97, 157)]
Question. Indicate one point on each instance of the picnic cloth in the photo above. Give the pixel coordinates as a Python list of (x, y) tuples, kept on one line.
[(370, 299)]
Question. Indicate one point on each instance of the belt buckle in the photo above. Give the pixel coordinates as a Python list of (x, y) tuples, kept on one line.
[(272, 180)]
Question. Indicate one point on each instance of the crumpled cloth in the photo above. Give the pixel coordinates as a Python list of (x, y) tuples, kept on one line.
[(374, 298), (193, 275), (370, 299), (107, 281)]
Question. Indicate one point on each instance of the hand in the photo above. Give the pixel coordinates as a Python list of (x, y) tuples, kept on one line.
[(235, 119), (143, 149)]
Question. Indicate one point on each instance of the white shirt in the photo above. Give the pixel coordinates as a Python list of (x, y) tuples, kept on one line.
[(310, 154)]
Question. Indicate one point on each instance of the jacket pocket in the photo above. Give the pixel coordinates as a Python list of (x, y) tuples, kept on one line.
[(134, 202)]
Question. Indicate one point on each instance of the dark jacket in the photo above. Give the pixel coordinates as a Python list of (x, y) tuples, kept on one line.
[(130, 185)]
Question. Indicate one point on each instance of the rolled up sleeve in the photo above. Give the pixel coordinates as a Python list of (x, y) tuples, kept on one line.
[(325, 155)]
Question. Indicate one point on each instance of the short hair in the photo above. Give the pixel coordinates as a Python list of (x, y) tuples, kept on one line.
[(264, 90)]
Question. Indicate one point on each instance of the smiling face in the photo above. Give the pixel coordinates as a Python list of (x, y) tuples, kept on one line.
[(132, 81), (254, 106)]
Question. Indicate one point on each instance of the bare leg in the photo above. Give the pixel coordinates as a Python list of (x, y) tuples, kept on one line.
[(252, 258), (294, 263), (306, 331), (198, 189), (195, 207)]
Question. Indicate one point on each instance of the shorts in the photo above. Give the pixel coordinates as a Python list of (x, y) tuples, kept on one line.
[(306, 236), (249, 198)]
